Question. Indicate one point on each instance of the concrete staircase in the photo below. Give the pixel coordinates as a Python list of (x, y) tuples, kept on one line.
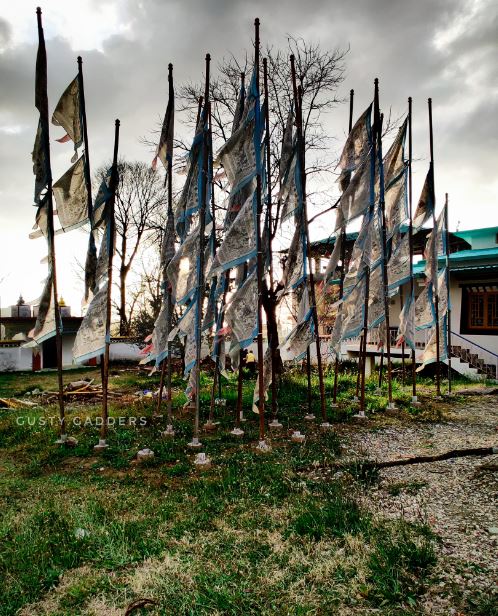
[(468, 361)]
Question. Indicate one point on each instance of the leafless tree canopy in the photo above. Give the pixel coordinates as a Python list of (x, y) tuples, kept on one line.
[(319, 72), (140, 196)]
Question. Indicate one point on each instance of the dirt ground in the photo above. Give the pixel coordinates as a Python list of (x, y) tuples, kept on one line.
[(458, 498)]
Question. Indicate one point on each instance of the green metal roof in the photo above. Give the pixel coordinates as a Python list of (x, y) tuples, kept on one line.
[(482, 258), (469, 233)]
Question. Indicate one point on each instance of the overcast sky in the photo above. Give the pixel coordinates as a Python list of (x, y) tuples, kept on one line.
[(446, 49)]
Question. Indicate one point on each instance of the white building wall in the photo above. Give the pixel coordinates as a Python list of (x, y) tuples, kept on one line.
[(67, 350), (15, 358)]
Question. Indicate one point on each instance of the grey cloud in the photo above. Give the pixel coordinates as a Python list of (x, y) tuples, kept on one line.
[(5, 33), (394, 41)]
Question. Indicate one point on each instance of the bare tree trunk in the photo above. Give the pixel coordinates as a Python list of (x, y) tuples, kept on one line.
[(123, 321), (270, 306)]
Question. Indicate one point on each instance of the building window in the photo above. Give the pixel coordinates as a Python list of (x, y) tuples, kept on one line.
[(482, 310)]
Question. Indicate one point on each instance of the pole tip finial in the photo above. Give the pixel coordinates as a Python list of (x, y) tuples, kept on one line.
[(376, 81), (256, 21), (79, 59), (170, 67), (38, 10), (429, 100), (208, 57), (409, 99), (351, 91), (117, 122)]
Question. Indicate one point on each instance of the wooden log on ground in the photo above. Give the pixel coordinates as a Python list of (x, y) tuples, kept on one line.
[(455, 453)]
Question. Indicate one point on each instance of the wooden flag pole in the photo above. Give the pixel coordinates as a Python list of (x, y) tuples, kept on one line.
[(210, 425), (260, 267), (385, 275), (237, 431), (200, 271), (301, 152), (343, 257), (88, 176), (50, 231), (447, 238), (363, 355), (166, 365), (434, 256), (410, 242), (111, 233), (403, 366)]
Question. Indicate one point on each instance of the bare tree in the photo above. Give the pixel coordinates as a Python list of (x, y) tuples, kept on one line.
[(319, 73), (139, 195)]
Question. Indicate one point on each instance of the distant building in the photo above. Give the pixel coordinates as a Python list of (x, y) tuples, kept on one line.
[(14, 330), (473, 294)]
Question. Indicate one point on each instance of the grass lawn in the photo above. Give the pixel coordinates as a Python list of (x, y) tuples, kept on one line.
[(82, 533)]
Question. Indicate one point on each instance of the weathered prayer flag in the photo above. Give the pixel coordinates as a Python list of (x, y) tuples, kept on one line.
[(425, 206), (71, 196), (67, 114)]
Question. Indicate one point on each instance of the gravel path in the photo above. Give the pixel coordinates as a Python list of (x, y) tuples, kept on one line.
[(457, 498)]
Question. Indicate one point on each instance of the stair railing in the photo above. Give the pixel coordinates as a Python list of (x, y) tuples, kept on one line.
[(488, 363)]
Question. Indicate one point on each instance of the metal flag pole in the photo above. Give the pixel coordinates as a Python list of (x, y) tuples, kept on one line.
[(111, 234), (260, 266), (166, 365), (410, 242), (343, 256), (200, 271), (385, 279), (301, 152), (274, 408), (434, 256), (447, 281), (42, 105)]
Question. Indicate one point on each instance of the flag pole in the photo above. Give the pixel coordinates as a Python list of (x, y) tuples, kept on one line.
[(274, 409), (111, 232), (237, 431), (385, 280), (260, 267), (50, 228), (447, 234), (343, 256), (166, 365), (200, 272), (373, 157), (210, 425), (410, 240), (88, 181), (435, 256), (88, 177), (301, 151), (403, 367)]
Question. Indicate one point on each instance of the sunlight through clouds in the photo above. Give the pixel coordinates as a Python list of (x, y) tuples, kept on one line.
[(85, 24)]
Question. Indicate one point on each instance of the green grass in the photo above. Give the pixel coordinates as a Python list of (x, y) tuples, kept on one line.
[(82, 533)]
